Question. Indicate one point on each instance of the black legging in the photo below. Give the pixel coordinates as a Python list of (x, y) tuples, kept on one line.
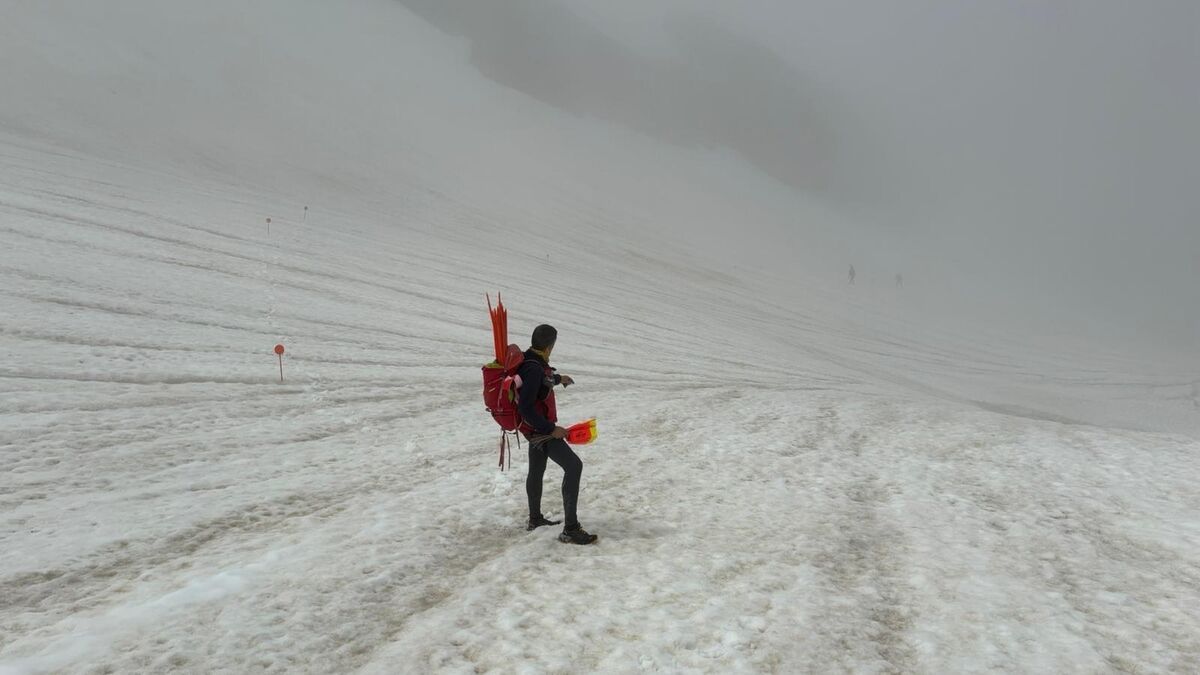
[(562, 454)]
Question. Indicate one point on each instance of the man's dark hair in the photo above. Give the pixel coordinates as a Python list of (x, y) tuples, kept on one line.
[(544, 336)]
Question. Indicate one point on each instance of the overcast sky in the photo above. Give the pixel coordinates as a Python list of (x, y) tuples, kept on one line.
[(1049, 150), (1032, 154)]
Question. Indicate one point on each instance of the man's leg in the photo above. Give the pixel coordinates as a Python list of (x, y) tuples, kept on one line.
[(562, 454), (533, 482)]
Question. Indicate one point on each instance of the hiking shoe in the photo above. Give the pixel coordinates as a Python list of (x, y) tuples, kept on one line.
[(578, 535), (535, 523)]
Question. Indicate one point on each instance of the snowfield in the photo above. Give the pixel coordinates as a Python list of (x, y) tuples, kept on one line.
[(792, 475), (167, 503)]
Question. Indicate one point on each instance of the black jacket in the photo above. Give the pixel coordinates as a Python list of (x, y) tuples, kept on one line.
[(535, 386)]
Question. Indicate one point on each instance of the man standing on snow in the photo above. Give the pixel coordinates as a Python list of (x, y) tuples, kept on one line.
[(539, 417)]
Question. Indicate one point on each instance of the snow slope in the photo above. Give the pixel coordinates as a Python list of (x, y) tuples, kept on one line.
[(791, 475)]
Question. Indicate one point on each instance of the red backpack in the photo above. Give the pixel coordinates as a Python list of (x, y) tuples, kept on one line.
[(500, 379), (500, 384)]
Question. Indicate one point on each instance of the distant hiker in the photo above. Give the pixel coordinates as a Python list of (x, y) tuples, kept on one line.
[(851, 275), (539, 418), (899, 281)]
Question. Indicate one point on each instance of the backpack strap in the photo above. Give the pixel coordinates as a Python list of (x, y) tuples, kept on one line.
[(506, 446)]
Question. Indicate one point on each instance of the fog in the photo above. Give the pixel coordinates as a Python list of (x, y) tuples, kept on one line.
[(1036, 158), (1029, 163), (992, 467)]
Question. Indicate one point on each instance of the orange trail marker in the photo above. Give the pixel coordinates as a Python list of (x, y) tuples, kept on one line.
[(499, 327), (582, 433), (279, 353)]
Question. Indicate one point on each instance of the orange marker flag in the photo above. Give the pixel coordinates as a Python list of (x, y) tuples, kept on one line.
[(499, 326), (582, 433)]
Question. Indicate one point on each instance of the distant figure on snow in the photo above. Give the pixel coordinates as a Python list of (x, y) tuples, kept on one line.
[(899, 281), (851, 275), (539, 418)]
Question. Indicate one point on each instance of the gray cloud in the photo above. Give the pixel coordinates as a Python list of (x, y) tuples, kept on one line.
[(1043, 153)]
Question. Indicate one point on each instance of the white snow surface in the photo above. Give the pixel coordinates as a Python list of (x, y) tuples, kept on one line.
[(791, 475)]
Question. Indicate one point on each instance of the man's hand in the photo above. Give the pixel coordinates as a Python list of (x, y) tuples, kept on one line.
[(565, 380), (559, 433)]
